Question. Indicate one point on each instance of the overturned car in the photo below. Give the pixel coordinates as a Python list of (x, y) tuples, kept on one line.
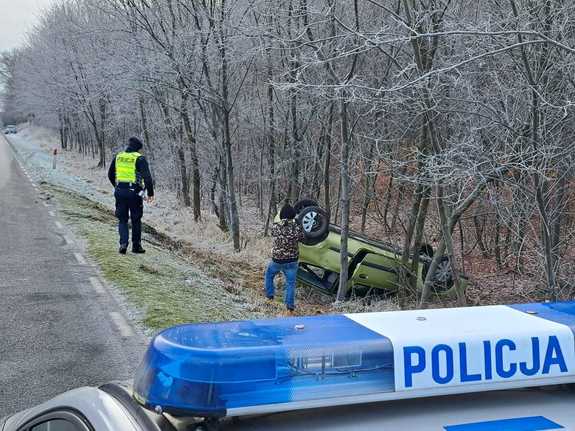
[(373, 265)]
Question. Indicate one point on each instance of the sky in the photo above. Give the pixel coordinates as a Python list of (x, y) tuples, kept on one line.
[(16, 18)]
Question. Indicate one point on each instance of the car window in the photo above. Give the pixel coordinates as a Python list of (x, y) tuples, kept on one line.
[(65, 420), (57, 425)]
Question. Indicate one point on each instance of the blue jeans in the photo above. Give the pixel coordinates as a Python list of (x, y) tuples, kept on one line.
[(290, 272)]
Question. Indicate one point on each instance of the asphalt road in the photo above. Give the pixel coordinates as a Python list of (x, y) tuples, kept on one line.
[(59, 327)]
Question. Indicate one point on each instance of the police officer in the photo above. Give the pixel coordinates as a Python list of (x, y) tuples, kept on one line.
[(130, 174)]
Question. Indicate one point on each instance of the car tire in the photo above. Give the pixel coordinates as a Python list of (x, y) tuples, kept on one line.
[(304, 203), (314, 241), (314, 222), (443, 277)]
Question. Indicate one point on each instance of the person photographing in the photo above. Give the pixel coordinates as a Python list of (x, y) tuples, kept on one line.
[(130, 175), (286, 234)]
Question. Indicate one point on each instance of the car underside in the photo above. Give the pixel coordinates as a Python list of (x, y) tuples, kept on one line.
[(374, 266)]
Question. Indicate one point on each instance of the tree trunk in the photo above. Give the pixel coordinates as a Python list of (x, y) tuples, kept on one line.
[(497, 242), (451, 222), (559, 210), (102, 135), (270, 138), (344, 200), (370, 178), (146, 134), (399, 201), (295, 138), (327, 163), (403, 276), (185, 189), (62, 130), (479, 230), (196, 178), (227, 142), (447, 231), (418, 239), (222, 198), (388, 199)]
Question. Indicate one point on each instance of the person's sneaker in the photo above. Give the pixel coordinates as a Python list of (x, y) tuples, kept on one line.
[(138, 249), (270, 298), (123, 249)]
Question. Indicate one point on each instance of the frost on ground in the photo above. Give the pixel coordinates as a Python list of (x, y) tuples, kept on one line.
[(80, 174), (167, 288), (190, 272)]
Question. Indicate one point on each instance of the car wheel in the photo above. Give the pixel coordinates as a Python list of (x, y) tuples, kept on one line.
[(314, 222), (304, 203), (443, 274), (443, 277)]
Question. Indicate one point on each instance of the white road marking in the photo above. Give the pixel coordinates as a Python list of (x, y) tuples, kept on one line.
[(80, 258), (52, 213), (45, 204), (68, 239), (121, 324), (97, 285), (59, 226)]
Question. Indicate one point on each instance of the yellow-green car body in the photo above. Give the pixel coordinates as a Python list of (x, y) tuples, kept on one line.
[(372, 265)]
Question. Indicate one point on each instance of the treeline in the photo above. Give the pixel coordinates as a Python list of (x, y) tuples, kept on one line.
[(398, 111)]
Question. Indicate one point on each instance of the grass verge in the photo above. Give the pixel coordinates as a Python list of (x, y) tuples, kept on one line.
[(163, 286), (176, 283)]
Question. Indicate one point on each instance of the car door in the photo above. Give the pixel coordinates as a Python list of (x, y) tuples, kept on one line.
[(374, 270), (63, 420)]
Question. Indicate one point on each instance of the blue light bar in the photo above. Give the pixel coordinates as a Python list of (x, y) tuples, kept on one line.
[(251, 367)]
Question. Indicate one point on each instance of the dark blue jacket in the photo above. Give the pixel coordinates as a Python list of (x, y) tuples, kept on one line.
[(142, 171)]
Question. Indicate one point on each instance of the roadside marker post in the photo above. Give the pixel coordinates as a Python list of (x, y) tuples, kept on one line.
[(55, 154)]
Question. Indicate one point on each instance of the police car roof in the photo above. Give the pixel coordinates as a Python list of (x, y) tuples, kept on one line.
[(247, 367)]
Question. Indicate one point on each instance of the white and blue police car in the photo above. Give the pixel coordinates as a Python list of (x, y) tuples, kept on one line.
[(216, 371)]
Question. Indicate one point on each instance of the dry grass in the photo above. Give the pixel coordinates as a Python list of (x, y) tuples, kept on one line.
[(174, 282)]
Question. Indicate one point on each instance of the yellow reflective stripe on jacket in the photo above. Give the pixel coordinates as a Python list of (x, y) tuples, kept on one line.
[(126, 167)]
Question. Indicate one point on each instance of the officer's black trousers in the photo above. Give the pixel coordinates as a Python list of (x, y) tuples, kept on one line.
[(129, 205)]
